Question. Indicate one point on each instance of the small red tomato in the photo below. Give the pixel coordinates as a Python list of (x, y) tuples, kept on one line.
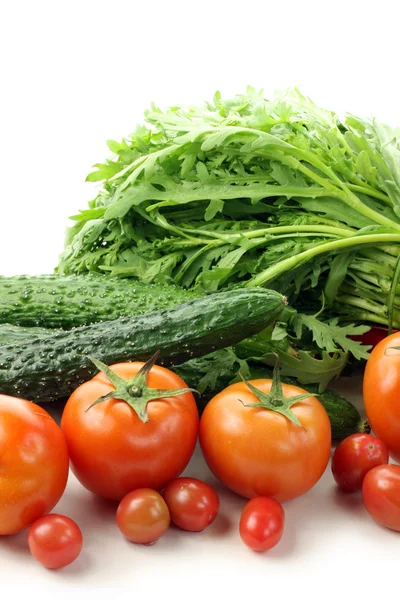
[(55, 541), (354, 457), (381, 495), (261, 524), (193, 504), (143, 516)]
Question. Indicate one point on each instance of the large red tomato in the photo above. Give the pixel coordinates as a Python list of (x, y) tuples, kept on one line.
[(112, 450), (381, 389), (33, 463), (257, 451)]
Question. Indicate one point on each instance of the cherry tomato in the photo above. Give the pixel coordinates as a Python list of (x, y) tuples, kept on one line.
[(143, 516), (354, 457), (381, 393), (55, 541), (259, 452), (113, 451), (381, 495), (193, 504), (33, 463), (261, 524)]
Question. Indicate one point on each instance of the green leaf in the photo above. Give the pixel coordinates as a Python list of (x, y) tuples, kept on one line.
[(364, 167), (337, 273), (331, 337), (213, 209)]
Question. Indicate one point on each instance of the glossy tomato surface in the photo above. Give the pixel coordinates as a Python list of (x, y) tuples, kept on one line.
[(354, 457), (55, 541), (381, 495), (193, 504), (33, 463), (259, 452), (381, 387), (261, 523), (112, 451), (143, 516)]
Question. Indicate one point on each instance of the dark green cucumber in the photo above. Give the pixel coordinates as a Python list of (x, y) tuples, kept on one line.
[(12, 334), (47, 368), (66, 302), (343, 415)]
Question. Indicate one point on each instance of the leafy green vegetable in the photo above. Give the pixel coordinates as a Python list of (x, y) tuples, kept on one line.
[(254, 192)]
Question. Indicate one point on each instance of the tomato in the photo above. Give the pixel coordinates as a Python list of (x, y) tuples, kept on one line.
[(55, 541), (143, 516), (255, 450), (381, 393), (112, 449), (381, 495), (354, 457), (261, 523), (33, 463), (193, 504)]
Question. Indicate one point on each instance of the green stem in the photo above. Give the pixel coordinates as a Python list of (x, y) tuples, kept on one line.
[(370, 191), (294, 261), (369, 317), (339, 190), (292, 229), (392, 296), (363, 303)]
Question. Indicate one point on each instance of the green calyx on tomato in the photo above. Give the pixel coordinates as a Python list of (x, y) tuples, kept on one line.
[(276, 400), (135, 391)]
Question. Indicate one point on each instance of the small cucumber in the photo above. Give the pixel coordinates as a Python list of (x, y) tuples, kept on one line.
[(343, 415)]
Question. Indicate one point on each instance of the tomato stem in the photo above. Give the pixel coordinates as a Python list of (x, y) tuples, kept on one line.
[(275, 400), (135, 391)]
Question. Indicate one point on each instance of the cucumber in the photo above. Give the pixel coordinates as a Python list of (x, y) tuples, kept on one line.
[(65, 302), (343, 415), (51, 367), (12, 334)]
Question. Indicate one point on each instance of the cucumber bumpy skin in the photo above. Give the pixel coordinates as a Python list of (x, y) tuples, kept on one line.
[(64, 302), (48, 368), (12, 334)]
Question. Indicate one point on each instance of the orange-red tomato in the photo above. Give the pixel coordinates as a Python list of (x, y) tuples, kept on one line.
[(143, 516), (259, 452), (193, 504), (112, 451), (33, 463), (354, 457), (261, 523), (381, 393), (381, 495), (55, 541)]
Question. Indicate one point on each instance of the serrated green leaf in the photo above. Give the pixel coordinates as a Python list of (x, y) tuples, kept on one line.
[(332, 337)]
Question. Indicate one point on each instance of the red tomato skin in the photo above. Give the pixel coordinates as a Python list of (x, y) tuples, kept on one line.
[(112, 451), (381, 393), (354, 457), (381, 495), (143, 516), (55, 541), (259, 452), (193, 504), (33, 463), (262, 523)]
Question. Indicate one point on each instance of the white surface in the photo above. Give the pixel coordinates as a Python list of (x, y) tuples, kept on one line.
[(75, 74)]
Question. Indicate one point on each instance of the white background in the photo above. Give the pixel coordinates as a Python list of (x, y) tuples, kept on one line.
[(74, 74)]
